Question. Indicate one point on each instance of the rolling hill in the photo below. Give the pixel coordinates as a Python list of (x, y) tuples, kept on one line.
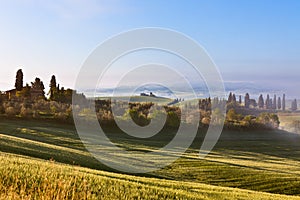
[(43, 159)]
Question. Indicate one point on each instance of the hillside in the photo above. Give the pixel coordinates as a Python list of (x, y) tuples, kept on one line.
[(258, 161), (27, 178)]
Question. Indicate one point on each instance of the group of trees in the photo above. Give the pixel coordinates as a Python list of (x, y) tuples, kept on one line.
[(275, 103), (263, 120), (59, 94), (232, 101), (36, 90), (38, 109), (58, 106), (141, 114), (30, 101), (272, 104)]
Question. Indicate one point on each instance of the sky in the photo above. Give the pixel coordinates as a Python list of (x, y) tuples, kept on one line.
[(250, 41)]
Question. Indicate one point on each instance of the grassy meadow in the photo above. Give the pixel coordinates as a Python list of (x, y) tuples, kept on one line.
[(27, 178), (46, 160)]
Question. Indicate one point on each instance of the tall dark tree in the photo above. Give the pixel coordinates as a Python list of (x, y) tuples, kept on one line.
[(233, 98), (247, 100), (19, 80), (294, 105), (240, 99), (271, 103), (261, 102), (53, 88), (283, 102), (230, 98), (274, 102), (267, 102), (279, 103), (38, 87)]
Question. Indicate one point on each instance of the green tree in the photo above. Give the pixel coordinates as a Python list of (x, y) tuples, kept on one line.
[(37, 89), (233, 98), (232, 115), (269, 120), (274, 102), (53, 88), (283, 102), (240, 99), (261, 103), (247, 120), (267, 102), (173, 119), (247, 100), (230, 98), (19, 80), (279, 103)]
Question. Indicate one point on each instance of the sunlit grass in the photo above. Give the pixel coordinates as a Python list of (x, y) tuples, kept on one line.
[(266, 161), (24, 178)]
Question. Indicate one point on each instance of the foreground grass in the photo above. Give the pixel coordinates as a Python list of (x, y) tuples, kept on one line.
[(27, 178), (266, 161)]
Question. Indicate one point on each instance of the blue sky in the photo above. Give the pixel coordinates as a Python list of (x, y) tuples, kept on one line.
[(250, 41)]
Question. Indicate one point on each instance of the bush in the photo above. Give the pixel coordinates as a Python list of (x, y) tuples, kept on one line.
[(11, 111), (270, 120), (25, 112), (173, 119)]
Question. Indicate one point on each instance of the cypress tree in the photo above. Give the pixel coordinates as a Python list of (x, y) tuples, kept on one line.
[(261, 101), (267, 102), (230, 98), (279, 103), (283, 102), (53, 88), (247, 100), (19, 80), (233, 98), (274, 102)]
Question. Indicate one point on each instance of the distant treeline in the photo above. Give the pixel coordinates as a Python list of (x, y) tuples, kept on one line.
[(30, 102), (36, 91), (275, 103)]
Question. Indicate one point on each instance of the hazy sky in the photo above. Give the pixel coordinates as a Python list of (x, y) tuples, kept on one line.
[(256, 41)]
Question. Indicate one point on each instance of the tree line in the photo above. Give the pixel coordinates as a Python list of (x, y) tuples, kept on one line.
[(267, 103), (35, 91)]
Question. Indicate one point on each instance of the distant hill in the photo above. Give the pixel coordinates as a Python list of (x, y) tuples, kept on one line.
[(141, 99)]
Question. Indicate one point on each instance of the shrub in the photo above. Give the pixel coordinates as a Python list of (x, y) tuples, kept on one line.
[(25, 112), (173, 119), (11, 111)]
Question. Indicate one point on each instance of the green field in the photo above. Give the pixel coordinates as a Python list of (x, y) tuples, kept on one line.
[(244, 165)]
